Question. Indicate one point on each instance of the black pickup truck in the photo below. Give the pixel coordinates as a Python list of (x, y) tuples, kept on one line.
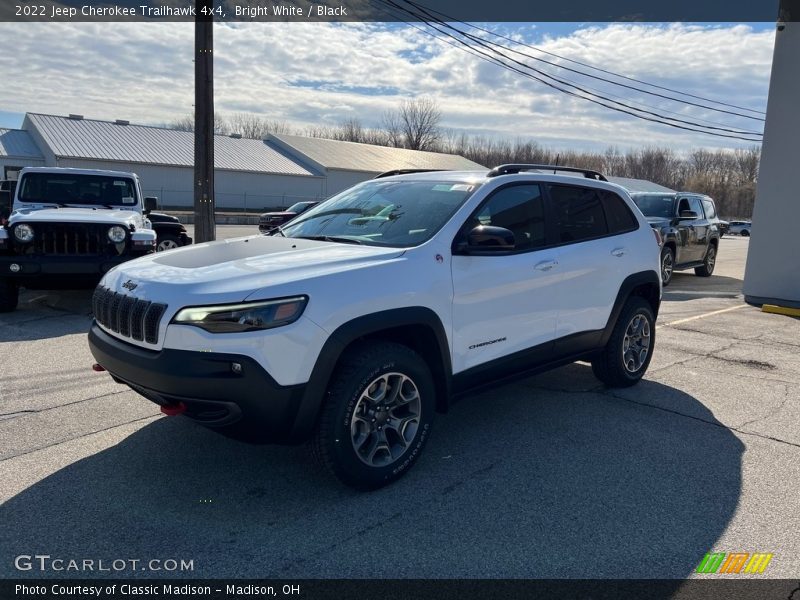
[(689, 228)]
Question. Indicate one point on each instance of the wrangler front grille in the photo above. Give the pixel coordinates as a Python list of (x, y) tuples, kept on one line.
[(72, 239), (128, 316)]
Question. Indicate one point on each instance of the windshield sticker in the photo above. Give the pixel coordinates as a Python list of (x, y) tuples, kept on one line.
[(121, 183), (462, 187), (129, 200)]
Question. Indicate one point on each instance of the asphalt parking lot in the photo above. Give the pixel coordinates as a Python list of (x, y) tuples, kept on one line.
[(554, 476)]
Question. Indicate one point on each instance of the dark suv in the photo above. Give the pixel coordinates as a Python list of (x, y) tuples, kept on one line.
[(689, 228), (269, 221)]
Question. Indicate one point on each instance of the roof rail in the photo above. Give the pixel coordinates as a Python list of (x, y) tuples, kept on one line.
[(406, 172), (513, 169)]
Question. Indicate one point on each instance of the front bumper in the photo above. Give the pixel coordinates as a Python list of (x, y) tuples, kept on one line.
[(247, 405), (33, 266)]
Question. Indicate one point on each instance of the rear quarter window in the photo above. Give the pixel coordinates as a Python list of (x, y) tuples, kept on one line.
[(619, 217)]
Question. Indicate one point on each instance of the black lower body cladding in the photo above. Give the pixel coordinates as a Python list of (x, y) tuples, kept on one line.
[(245, 403)]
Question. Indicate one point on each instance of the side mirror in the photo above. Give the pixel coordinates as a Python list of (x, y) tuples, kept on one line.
[(150, 204), (689, 214), (487, 238)]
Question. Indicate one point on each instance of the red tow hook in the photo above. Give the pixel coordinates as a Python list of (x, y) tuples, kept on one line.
[(98, 368), (174, 409)]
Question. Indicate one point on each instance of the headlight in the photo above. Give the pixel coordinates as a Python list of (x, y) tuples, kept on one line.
[(238, 318), (116, 234), (23, 233)]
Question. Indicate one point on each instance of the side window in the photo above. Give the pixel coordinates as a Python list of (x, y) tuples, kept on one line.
[(696, 206), (579, 213), (518, 208), (710, 211), (619, 217)]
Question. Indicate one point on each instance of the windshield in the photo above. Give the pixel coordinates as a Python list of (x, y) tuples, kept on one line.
[(299, 207), (655, 205), (67, 188), (383, 213)]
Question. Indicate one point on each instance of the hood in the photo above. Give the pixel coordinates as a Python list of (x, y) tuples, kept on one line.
[(75, 215), (232, 270)]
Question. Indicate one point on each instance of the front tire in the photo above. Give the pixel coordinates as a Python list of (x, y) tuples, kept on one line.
[(9, 295), (708, 262), (745, 233), (167, 242), (376, 417), (667, 265), (624, 360)]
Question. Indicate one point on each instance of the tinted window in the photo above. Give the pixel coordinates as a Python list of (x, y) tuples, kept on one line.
[(692, 204), (653, 205), (709, 206), (619, 217), (69, 188), (579, 213), (520, 209)]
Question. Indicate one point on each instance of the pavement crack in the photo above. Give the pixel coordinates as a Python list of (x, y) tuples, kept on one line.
[(35, 411), (77, 437), (611, 394), (773, 412)]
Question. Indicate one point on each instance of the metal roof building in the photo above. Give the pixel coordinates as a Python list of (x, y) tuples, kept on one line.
[(640, 185), (17, 148), (249, 174)]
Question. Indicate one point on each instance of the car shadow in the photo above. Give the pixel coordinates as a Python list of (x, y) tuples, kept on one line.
[(47, 314), (550, 477), (687, 286)]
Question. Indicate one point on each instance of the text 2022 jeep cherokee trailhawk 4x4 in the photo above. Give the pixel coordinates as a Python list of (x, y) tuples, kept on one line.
[(354, 324)]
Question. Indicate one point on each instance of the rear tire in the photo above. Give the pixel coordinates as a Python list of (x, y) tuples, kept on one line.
[(9, 295), (745, 233), (624, 360), (667, 265), (708, 262), (376, 416)]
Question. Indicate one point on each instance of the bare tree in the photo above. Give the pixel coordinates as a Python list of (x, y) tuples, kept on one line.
[(419, 119), (255, 127), (392, 126), (187, 124)]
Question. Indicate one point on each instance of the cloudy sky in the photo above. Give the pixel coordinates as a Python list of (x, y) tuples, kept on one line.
[(321, 74)]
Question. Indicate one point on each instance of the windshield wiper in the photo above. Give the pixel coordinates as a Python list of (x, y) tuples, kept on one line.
[(331, 238)]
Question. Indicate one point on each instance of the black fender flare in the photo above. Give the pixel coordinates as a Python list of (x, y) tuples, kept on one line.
[(643, 280), (359, 328)]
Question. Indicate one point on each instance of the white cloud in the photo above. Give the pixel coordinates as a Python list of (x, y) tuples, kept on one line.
[(314, 73)]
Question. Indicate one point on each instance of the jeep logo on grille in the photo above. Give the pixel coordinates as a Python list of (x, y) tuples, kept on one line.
[(129, 285)]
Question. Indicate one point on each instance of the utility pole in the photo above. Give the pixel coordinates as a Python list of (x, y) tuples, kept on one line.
[(204, 221)]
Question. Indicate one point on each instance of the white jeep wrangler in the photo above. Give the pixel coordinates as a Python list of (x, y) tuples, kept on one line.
[(68, 227), (352, 325)]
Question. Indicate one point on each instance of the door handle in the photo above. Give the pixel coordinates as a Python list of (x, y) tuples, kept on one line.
[(619, 252), (545, 265)]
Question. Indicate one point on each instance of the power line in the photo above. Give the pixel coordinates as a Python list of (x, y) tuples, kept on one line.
[(615, 105), (606, 71)]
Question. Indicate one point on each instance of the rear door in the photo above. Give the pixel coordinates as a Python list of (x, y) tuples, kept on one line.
[(595, 256)]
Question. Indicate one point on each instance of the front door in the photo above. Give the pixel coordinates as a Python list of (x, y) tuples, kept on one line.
[(506, 303)]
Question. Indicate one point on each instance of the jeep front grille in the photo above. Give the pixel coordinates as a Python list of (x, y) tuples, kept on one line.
[(128, 316), (72, 239)]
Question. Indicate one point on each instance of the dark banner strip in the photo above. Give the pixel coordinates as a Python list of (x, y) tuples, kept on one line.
[(483, 589), (399, 10)]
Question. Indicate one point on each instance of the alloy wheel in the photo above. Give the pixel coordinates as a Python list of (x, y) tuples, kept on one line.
[(636, 343), (386, 419)]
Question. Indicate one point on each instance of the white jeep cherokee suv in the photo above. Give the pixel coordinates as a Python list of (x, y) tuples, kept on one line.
[(354, 324)]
